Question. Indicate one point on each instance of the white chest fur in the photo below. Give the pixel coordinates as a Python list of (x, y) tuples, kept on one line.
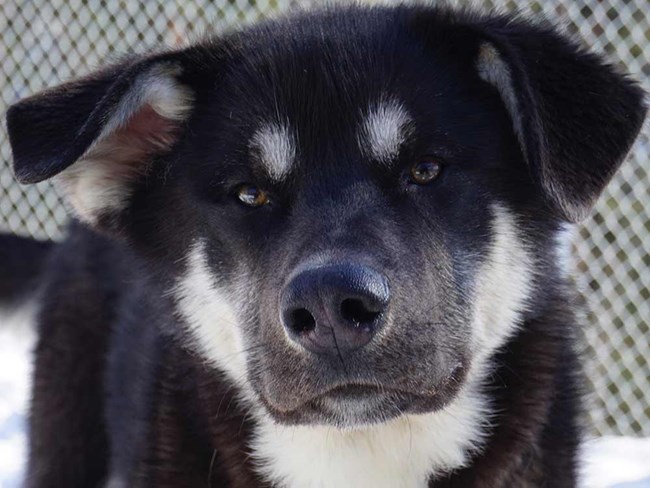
[(401, 453)]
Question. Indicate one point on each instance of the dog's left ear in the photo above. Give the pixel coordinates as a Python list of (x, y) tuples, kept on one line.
[(576, 116), (96, 136)]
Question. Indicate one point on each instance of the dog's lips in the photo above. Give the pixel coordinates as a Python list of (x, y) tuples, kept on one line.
[(363, 392), (365, 403), (355, 400)]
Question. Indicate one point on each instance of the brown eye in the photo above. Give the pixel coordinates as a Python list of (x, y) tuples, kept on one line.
[(425, 171), (252, 196)]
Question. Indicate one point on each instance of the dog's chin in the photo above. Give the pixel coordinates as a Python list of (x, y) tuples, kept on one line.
[(355, 406)]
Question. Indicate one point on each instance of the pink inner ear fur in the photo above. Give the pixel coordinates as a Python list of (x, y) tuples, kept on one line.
[(127, 152), (101, 181), (152, 128), (129, 149)]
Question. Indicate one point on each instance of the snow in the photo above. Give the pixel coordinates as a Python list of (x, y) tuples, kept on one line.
[(16, 342), (608, 462), (616, 462)]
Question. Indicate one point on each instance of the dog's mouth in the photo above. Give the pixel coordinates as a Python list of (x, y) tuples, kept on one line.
[(353, 392), (352, 405)]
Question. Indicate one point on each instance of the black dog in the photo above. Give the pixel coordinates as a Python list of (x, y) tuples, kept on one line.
[(323, 251)]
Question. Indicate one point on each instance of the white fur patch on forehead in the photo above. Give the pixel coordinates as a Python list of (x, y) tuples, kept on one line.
[(275, 146), (209, 315), (385, 127)]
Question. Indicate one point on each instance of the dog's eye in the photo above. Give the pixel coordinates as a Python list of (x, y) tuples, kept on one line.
[(426, 170), (252, 196)]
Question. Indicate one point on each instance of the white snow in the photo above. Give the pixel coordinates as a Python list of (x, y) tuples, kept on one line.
[(616, 462), (17, 339), (608, 462)]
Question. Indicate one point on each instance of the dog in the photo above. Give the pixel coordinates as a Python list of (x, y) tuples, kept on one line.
[(325, 250)]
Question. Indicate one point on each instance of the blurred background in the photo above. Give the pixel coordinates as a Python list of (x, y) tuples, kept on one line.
[(43, 42)]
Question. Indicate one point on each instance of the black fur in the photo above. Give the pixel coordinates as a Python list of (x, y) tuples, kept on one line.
[(21, 263), (44, 146), (579, 114), (120, 391)]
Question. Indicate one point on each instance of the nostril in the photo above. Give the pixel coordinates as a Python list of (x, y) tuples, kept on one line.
[(302, 321), (356, 311)]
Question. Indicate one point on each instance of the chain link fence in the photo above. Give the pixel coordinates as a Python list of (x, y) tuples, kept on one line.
[(44, 42)]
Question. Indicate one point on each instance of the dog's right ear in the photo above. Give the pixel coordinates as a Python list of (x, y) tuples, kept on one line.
[(98, 134)]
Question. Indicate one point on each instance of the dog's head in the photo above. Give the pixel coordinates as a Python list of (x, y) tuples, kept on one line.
[(351, 209)]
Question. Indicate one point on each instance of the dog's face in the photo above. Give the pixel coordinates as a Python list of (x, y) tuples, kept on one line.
[(344, 223), (350, 211)]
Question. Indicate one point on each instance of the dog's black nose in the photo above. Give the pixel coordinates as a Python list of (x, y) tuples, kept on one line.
[(335, 308)]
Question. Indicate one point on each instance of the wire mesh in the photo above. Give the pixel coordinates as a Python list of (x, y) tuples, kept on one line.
[(45, 42)]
